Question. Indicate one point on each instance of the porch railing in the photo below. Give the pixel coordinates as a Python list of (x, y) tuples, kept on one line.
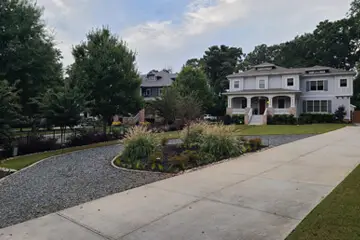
[(281, 111), (238, 111)]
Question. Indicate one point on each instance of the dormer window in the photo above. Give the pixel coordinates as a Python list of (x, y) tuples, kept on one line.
[(151, 77)]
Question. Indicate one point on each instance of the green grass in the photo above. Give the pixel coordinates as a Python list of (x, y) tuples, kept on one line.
[(337, 216), (26, 160), (286, 129)]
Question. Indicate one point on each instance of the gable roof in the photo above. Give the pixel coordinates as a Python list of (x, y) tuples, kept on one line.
[(161, 79), (272, 69)]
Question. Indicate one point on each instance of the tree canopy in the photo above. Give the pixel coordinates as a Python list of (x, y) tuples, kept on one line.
[(193, 80), (105, 69), (28, 56)]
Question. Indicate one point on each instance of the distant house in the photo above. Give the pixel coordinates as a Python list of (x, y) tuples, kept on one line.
[(267, 89), (153, 83)]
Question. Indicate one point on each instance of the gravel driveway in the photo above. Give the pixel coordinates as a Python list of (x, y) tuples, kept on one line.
[(65, 181), (68, 180)]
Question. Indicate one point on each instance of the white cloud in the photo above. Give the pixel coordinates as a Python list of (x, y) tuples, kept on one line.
[(242, 22)]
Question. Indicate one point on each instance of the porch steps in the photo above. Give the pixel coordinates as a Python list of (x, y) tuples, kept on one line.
[(256, 120)]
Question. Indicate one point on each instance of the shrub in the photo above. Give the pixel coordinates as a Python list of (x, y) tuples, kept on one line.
[(191, 135), (218, 141), (310, 118), (33, 144), (340, 113), (85, 138), (238, 119), (227, 120), (139, 144), (281, 120), (255, 144)]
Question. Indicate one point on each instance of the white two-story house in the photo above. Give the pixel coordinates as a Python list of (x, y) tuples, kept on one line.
[(267, 89)]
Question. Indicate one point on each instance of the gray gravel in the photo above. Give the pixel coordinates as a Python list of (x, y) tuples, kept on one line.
[(277, 140), (65, 181)]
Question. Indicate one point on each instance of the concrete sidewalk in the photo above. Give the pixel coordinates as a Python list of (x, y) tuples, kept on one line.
[(258, 196)]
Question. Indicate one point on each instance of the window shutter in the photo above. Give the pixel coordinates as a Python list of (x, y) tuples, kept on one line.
[(304, 106), (307, 86), (329, 106), (325, 85)]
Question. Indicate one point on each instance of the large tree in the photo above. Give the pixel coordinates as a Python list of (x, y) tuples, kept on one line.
[(9, 108), (28, 56), (165, 105), (219, 62), (193, 80), (105, 70)]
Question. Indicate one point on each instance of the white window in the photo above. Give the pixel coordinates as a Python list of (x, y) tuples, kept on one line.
[(147, 92), (236, 84), (290, 82), (317, 106), (343, 82), (262, 84), (320, 85), (160, 91)]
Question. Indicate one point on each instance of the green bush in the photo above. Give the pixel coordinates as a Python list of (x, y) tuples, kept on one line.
[(281, 120), (220, 146), (310, 118), (139, 144), (255, 144), (238, 119)]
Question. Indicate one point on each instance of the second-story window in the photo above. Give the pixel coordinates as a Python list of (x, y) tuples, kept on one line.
[(290, 82), (343, 82), (320, 85), (236, 84), (262, 84)]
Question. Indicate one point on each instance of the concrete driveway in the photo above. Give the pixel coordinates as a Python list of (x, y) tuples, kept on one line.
[(258, 196)]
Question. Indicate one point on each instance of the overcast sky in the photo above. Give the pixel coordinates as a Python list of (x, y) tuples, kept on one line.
[(165, 33)]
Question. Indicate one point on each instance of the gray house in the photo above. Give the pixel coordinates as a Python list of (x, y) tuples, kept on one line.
[(153, 83), (267, 89)]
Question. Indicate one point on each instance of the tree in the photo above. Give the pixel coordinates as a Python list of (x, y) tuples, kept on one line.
[(195, 63), (354, 8), (165, 106), (219, 62), (9, 108), (28, 56), (62, 107), (340, 113), (188, 109), (193, 81), (105, 69)]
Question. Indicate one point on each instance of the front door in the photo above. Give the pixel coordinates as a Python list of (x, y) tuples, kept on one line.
[(262, 103)]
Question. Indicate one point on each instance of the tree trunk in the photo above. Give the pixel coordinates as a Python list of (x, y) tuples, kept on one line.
[(104, 125)]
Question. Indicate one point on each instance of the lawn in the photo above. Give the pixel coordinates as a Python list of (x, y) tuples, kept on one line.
[(337, 216), (20, 162), (286, 129), (246, 130)]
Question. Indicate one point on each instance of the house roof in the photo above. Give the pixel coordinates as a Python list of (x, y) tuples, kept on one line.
[(262, 91), (157, 79), (265, 69)]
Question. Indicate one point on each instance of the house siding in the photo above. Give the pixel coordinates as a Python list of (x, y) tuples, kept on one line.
[(275, 82), (249, 83)]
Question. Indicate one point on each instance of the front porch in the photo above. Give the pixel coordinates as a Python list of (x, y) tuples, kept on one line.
[(258, 107)]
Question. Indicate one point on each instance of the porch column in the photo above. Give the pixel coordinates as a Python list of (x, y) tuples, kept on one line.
[(292, 101), (270, 101), (229, 102), (248, 102)]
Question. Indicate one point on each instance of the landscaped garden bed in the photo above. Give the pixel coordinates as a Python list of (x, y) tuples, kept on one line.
[(202, 144)]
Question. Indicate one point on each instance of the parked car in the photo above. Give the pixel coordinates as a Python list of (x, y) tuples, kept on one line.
[(209, 117)]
